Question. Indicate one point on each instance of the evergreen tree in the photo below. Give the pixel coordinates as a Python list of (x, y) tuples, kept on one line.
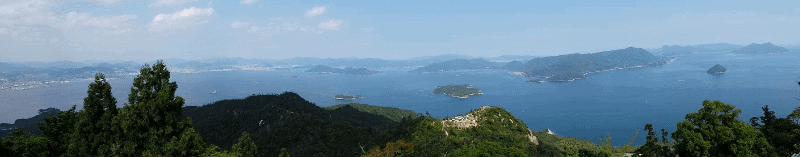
[(715, 131), (245, 147), (651, 147), (152, 116), (58, 129), (93, 130), (782, 133), (284, 153)]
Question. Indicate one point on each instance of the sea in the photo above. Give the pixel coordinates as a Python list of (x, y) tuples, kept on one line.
[(614, 103)]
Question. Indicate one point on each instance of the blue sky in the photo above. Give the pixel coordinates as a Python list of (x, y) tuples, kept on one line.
[(144, 30)]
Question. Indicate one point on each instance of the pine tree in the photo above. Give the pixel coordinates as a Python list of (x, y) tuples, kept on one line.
[(245, 147), (93, 130), (152, 116)]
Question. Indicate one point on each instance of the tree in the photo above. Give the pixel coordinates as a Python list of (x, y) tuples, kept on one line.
[(284, 153), (245, 147), (93, 130), (397, 148), (57, 129), (652, 148), (152, 116), (781, 133), (715, 131)]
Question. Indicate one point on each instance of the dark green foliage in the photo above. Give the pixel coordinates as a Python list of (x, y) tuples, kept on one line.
[(395, 114), (245, 147), (715, 131), (781, 133), (497, 132), (29, 124), (152, 116), (94, 129), (284, 153), (653, 147), (288, 121), (21, 143), (58, 129), (488, 148)]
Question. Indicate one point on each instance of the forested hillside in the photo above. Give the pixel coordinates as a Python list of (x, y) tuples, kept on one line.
[(288, 121)]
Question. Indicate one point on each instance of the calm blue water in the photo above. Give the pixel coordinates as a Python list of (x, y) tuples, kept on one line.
[(616, 103)]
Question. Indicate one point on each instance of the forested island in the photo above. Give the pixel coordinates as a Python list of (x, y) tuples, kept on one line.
[(765, 48), (458, 64), (348, 70), (288, 125), (462, 91), (717, 69), (576, 66)]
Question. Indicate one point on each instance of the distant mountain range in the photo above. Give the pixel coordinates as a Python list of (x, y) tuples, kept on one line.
[(765, 48), (348, 70), (672, 50)]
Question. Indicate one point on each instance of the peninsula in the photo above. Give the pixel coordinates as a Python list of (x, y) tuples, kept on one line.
[(462, 91)]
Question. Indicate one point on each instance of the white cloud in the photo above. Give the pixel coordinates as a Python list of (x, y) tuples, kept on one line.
[(118, 24), (254, 29), (159, 3), (249, 2), (74, 19), (26, 12), (315, 11), (108, 1), (238, 24), (330, 25), (182, 19)]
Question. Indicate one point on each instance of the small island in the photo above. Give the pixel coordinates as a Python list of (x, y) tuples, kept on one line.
[(348, 70), (717, 69), (346, 97), (536, 81), (458, 91)]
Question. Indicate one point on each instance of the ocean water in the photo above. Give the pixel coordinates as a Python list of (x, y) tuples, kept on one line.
[(616, 103)]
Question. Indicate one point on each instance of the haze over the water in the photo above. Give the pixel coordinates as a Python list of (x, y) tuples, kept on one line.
[(45, 30)]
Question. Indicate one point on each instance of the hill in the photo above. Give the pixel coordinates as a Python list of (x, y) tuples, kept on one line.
[(289, 121), (491, 131), (348, 70), (576, 66), (765, 48), (28, 124), (392, 113)]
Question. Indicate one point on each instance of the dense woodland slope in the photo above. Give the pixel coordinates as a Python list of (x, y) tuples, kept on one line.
[(304, 129)]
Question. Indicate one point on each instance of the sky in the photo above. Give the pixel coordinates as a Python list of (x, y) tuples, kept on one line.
[(144, 30)]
